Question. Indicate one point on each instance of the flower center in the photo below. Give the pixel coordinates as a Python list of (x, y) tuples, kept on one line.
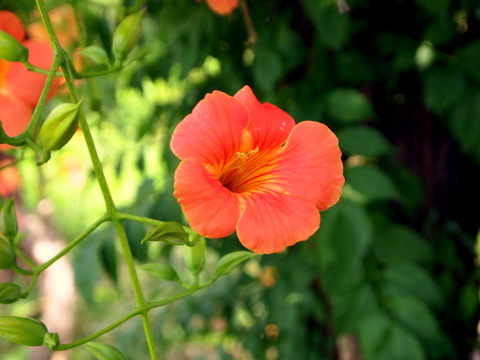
[(248, 171)]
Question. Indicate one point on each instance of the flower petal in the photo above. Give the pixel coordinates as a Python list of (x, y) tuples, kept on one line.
[(213, 132), (311, 164), (28, 85), (222, 7), (10, 23), (9, 178), (269, 125), (14, 116), (211, 209), (271, 221)]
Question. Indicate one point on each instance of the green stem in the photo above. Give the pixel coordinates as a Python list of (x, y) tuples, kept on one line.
[(57, 60), (24, 257), (141, 219), (99, 333), (21, 271), (144, 310), (100, 175), (38, 269), (31, 67)]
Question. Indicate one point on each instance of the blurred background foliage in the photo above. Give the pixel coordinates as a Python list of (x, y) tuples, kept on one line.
[(391, 274)]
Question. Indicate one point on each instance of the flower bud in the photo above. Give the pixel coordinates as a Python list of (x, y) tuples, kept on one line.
[(7, 255), (59, 126), (51, 340), (169, 232), (9, 293), (23, 331), (195, 256), (10, 224), (126, 35), (11, 49)]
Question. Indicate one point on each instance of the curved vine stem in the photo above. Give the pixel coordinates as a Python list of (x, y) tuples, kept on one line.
[(111, 209)]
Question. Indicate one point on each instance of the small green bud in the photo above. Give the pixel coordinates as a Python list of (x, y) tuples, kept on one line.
[(9, 293), (104, 351), (51, 340), (230, 261), (59, 126), (11, 49), (161, 270), (23, 331), (7, 255), (10, 223), (195, 256), (126, 35), (169, 232)]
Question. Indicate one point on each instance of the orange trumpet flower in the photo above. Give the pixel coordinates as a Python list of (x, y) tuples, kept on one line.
[(20, 89), (247, 167), (222, 7)]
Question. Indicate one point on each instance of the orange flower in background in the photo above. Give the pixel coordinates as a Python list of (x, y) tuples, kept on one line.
[(222, 7), (64, 24), (20, 89), (9, 178), (247, 167)]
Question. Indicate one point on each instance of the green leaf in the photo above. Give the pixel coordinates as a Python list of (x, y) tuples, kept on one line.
[(231, 260), (108, 256), (382, 339), (267, 68), (443, 88), (371, 182), (470, 54), (464, 122), (362, 140), (87, 276), (372, 332), (351, 306), (342, 240), (439, 8), (103, 351), (161, 270), (410, 279), (395, 244), (332, 26), (348, 105), (169, 232), (416, 316)]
